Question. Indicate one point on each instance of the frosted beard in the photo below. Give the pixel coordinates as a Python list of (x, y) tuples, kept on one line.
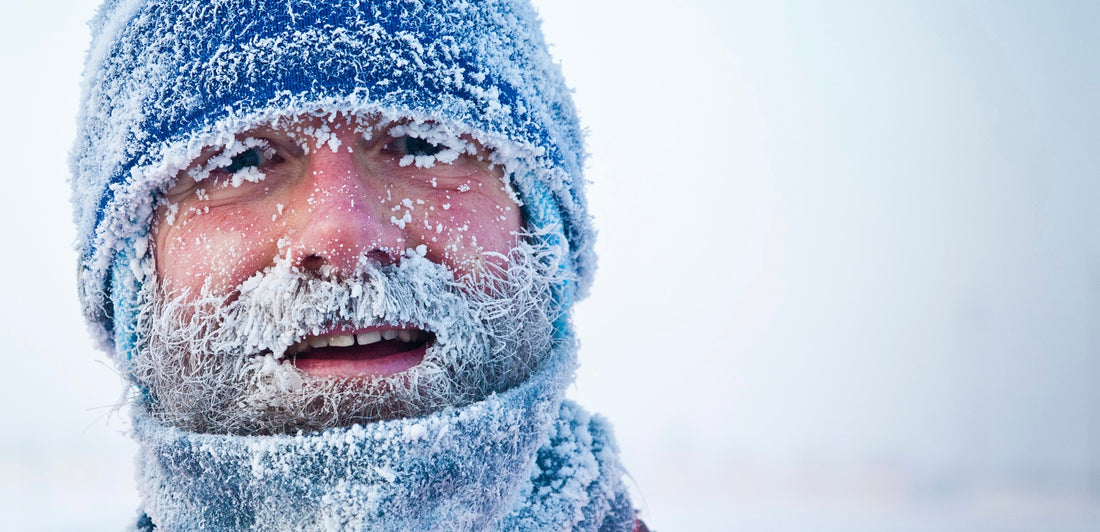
[(220, 364)]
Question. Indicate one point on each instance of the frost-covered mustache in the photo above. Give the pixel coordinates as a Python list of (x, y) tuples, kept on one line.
[(209, 364)]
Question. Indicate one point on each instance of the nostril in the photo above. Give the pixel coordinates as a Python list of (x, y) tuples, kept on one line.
[(380, 257), (312, 262)]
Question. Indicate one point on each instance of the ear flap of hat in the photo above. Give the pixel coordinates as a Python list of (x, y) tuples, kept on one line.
[(544, 219)]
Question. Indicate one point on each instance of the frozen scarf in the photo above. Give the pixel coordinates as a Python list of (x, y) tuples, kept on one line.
[(520, 460)]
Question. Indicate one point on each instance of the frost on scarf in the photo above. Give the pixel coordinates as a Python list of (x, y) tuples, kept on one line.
[(166, 78), (520, 460)]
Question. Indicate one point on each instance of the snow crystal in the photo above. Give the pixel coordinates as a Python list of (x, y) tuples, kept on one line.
[(387, 474), (400, 222), (170, 213), (414, 431)]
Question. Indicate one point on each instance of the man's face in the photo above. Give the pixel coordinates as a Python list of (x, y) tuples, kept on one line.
[(291, 232), (325, 193)]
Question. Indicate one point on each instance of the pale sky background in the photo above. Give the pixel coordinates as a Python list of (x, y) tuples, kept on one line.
[(849, 279)]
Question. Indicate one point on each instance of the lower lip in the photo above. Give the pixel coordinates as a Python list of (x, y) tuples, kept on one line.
[(358, 361)]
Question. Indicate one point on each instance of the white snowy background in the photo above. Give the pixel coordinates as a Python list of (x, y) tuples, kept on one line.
[(850, 265)]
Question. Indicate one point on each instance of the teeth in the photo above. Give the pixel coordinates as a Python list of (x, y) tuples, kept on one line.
[(342, 340), (368, 338), (347, 340)]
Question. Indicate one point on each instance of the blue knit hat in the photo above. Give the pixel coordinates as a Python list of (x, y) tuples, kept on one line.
[(165, 78)]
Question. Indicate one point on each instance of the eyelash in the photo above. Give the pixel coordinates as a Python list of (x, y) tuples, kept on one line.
[(417, 147), (256, 157), (251, 158)]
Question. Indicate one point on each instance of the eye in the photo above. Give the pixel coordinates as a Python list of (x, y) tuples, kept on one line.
[(418, 147), (250, 158)]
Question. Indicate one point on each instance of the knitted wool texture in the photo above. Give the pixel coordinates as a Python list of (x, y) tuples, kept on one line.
[(521, 460)]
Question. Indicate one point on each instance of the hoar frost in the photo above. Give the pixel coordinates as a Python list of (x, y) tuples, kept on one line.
[(217, 364)]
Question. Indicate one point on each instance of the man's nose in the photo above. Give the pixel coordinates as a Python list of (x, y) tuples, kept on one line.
[(345, 217)]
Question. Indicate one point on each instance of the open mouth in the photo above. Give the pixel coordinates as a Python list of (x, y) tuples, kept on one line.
[(374, 351)]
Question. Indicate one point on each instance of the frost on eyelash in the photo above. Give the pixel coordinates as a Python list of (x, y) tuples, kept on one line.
[(225, 157), (433, 133)]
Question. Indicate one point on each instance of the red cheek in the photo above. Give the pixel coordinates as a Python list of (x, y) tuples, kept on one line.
[(466, 236), (218, 250)]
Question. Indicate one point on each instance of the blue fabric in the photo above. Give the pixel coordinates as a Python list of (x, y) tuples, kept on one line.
[(544, 218), (521, 460)]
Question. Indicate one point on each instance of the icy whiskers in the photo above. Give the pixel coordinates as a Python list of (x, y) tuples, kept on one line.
[(216, 364)]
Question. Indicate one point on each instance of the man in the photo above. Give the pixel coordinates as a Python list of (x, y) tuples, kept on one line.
[(333, 247)]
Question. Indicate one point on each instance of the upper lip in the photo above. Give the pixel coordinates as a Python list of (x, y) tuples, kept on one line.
[(364, 336)]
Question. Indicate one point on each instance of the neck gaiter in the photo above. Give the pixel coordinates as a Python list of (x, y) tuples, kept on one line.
[(524, 459)]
